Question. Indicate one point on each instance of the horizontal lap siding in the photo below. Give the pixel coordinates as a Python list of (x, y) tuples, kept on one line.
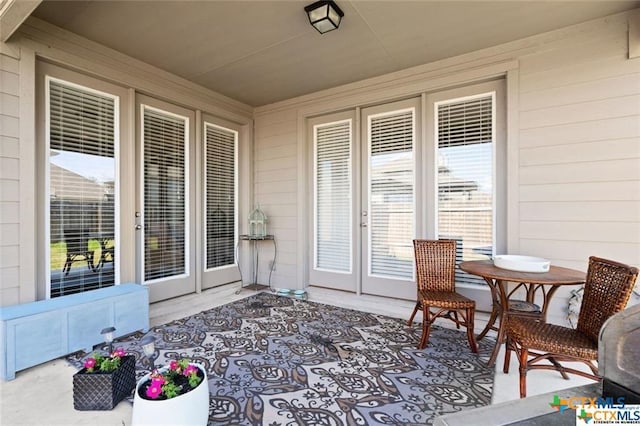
[(276, 187), (579, 153), (9, 181)]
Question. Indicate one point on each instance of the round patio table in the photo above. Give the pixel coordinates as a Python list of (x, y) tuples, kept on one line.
[(547, 283)]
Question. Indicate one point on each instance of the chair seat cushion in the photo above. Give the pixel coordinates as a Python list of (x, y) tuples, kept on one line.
[(544, 337), (445, 299), (523, 306)]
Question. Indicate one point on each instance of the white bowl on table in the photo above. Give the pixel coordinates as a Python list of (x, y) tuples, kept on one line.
[(521, 263)]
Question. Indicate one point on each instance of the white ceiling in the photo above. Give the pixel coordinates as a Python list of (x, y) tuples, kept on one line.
[(260, 52)]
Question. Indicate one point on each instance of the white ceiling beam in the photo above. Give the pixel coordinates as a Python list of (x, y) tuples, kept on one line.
[(13, 13)]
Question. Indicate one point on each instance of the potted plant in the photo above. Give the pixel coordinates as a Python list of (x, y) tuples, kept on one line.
[(174, 394), (104, 381)]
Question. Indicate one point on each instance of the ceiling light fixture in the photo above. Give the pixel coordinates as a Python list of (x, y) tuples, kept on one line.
[(324, 15)]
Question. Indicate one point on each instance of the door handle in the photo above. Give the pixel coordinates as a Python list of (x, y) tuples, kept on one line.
[(138, 227)]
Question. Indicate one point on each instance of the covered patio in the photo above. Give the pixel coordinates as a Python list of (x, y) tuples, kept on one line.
[(137, 138)]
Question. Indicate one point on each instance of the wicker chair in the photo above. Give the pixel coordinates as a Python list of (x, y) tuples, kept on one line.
[(435, 279), (607, 289)]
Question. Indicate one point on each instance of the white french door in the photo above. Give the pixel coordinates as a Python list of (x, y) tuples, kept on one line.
[(404, 173), (220, 199), (390, 133), (335, 229), (363, 190), (165, 202)]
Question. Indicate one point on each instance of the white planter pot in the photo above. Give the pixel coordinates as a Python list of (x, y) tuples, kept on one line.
[(191, 408)]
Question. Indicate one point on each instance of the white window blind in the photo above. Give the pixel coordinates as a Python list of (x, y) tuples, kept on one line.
[(391, 194), (82, 141), (465, 133), (333, 189), (220, 167), (164, 147)]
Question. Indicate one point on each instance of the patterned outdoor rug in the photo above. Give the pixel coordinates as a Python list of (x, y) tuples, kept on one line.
[(275, 361)]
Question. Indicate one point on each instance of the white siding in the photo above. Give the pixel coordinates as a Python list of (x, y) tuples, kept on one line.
[(276, 175), (580, 153), (9, 180), (577, 142)]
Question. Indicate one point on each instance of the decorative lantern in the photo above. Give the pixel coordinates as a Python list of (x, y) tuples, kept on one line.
[(257, 223)]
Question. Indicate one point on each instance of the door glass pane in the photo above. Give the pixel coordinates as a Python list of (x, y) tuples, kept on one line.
[(465, 177), (164, 146), (391, 194), (82, 182), (220, 195), (333, 197)]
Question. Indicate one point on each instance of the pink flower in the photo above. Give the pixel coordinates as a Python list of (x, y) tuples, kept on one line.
[(90, 363), (154, 390), (119, 352), (190, 369), (173, 365)]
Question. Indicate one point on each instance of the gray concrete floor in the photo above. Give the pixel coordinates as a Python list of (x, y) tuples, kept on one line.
[(43, 395)]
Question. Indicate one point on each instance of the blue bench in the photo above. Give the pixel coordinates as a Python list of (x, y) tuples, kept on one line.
[(37, 332)]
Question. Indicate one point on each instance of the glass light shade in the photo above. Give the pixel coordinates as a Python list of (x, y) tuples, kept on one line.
[(107, 334), (148, 344), (324, 15)]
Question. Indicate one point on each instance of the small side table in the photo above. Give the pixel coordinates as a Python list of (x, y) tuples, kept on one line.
[(255, 239)]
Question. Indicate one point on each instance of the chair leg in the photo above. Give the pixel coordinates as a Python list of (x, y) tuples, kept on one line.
[(470, 326), (67, 266), (489, 326), (522, 358), (559, 367), (456, 320), (507, 355), (413, 315), (426, 327)]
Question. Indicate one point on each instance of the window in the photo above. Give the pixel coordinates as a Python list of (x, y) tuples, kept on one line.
[(332, 192), (165, 193), (81, 135), (221, 205), (465, 132), (391, 193)]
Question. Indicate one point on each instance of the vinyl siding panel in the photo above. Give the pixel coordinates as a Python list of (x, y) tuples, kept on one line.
[(621, 232), (579, 210), (601, 89), (9, 147), (613, 149), (582, 191), (577, 133), (595, 171), (579, 156), (622, 106), (276, 176), (569, 74), (9, 180)]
